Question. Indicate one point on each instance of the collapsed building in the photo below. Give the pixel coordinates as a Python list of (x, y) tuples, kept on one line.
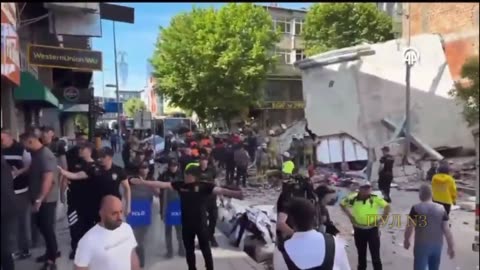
[(360, 91)]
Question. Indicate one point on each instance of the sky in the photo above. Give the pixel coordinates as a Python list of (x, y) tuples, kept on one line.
[(137, 41)]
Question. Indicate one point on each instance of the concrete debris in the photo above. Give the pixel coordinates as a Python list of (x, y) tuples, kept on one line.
[(467, 206)]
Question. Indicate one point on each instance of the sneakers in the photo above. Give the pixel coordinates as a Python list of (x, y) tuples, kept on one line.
[(213, 242), (43, 258), (21, 255)]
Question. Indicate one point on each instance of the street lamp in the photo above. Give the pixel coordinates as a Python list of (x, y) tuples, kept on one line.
[(116, 83)]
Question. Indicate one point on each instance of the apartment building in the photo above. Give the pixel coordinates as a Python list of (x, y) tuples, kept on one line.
[(283, 97)]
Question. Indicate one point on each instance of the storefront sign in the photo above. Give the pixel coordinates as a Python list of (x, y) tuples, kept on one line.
[(283, 105), (71, 94), (10, 44), (68, 58)]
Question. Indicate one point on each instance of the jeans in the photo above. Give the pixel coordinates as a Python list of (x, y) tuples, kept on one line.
[(200, 231), (140, 233), (7, 230), (370, 238), (427, 256), (45, 220), (168, 238), (22, 232)]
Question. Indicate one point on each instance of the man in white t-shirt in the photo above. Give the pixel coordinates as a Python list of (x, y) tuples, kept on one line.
[(110, 245), (308, 248)]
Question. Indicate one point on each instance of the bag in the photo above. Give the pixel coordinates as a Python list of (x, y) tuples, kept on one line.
[(328, 262), (173, 213), (141, 213)]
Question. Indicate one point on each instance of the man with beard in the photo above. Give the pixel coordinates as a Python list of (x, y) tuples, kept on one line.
[(109, 245), (44, 192), (79, 213), (107, 177), (194, 195), (73, 157)]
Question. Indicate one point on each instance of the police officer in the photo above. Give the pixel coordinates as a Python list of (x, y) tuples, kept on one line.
[(193, 196), (172, 174), (208, 174), (385, 174), (19, 160), (79, 212), (362, 209), (288, 167), (107, 177)]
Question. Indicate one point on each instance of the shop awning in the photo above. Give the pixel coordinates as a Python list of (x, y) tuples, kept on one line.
[(32, 90)]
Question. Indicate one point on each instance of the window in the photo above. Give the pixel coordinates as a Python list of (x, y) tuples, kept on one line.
[(282, 25), (298, 27), (284, 56), (299, 55)]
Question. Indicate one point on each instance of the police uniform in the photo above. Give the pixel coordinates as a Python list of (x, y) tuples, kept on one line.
[(107, 182), (193, 197), (14, 156), (366, 231), (209, 175), (80, 215)]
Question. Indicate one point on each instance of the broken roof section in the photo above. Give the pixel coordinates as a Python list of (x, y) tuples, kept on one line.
[(353, 90)]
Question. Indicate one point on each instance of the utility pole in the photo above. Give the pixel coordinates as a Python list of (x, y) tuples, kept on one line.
[(119, 126), (410, 56)]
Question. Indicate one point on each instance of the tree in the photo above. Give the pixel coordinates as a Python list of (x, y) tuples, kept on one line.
[(467, 91), (134, 105), (330, 26), (213, 62)]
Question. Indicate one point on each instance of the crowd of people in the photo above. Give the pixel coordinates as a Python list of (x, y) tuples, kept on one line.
[(99, 193)]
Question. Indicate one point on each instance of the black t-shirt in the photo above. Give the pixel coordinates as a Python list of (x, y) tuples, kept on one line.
[(185, 160), (193, 198), (387, 162), (208, 175), (107, 182), (79, 190), (282, 204)]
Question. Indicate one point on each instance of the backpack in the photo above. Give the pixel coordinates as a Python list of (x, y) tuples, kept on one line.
[(327, 262)]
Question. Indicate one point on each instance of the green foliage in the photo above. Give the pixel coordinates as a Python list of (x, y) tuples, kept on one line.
[(213, 62), (133, 105), (330, 26), (467, 90)]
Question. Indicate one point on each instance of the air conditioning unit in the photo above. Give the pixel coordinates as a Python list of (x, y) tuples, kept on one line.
[(72, 7)]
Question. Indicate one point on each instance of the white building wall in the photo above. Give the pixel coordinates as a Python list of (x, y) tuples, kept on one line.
[(367, 90)]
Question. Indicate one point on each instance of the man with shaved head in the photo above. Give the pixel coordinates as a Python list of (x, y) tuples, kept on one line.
[(110, 245)]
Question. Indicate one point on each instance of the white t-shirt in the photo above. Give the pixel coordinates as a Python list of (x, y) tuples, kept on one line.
[(307, 250), (102, 249)]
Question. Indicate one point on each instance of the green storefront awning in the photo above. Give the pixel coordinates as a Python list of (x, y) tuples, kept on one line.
[(32, 90)]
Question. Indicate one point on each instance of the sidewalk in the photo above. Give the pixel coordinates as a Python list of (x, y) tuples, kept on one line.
[(226, 257)]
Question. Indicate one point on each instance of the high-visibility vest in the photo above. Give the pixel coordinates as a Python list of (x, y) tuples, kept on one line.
[(288, 167)]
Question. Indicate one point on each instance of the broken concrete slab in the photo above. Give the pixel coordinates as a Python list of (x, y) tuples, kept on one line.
[(467, 206)]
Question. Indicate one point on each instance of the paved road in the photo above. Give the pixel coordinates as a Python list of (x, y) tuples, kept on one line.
[(225, 257), (395, 257)]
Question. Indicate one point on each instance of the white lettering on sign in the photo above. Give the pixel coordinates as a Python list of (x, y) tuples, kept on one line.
[(176, 214), (411, 56), (138, 213)]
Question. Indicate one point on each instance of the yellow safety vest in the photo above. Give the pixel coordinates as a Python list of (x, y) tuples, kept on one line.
[(288, 167), (364, 212)]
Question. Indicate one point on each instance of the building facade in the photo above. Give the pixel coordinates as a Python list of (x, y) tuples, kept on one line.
[(456, 23), (283, 98)]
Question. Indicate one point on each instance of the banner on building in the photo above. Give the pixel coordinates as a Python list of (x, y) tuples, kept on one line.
[(283, 105), (68, 58), (10, 44)]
